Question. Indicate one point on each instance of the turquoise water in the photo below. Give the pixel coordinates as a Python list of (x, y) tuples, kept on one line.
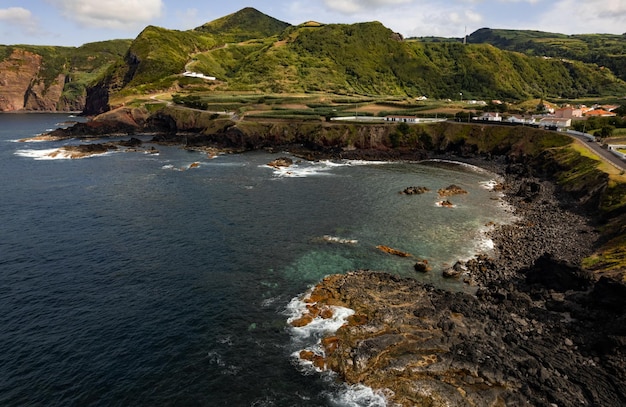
[(133, 279)]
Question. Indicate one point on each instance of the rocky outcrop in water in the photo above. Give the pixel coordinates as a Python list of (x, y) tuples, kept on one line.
[(414, 190), (451, 191), (281, 162)]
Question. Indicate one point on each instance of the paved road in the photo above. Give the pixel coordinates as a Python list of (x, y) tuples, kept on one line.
[(602, 152)]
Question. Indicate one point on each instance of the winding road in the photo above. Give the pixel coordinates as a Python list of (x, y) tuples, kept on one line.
[(605, 154)]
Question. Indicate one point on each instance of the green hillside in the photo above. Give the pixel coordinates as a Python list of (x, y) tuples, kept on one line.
[(252, 52), (606, 50), (368, 58)]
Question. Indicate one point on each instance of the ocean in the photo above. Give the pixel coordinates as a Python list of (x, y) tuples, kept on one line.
[(134, 279)]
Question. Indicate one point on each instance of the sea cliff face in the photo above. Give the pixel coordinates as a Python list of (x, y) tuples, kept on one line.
[(23, 88)]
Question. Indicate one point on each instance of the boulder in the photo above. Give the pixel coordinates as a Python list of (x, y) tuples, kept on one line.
[(414, 190), (451, 273), (557, 275), (610, 294), (422, 266)]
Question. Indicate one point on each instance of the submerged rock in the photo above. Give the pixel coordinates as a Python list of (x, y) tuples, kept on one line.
[(393, 251)]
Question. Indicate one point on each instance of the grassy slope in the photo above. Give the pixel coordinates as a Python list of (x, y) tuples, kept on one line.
[(602, 49)]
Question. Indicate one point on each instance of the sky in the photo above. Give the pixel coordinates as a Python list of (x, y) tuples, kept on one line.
[(76, 22)]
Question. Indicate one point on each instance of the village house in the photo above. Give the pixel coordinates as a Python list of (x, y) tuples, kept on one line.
[(517, 119), (600, 113), (568, 113), (558, 123), (609, 108), (489, 117)]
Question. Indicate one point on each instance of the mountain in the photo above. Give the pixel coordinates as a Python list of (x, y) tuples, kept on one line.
[(244, 25), (250, 51)]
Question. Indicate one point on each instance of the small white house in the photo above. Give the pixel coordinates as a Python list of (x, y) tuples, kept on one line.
[(198, 75), (517, 119), (489, 117), (558, 122)]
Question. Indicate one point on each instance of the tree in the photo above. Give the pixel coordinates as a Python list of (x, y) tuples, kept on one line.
[(605, 131)]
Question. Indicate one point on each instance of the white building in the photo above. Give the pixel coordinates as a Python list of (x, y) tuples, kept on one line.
[(402, 119), (198, 75), (559, 123), (489, 117)]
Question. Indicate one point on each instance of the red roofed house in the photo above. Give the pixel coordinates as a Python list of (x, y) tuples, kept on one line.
[(600, 113)]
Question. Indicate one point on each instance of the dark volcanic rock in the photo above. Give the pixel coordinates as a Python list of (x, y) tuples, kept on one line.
[(414, 190), (610, 294), (422, 267), (432, 347), (558, 275)]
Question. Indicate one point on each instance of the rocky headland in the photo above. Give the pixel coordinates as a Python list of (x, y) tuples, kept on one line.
[(539, 331)]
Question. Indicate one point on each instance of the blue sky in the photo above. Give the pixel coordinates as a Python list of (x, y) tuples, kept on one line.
[(75, 22)]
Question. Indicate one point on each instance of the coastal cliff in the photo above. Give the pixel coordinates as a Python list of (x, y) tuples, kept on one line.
[(51, 79), (22, 87)]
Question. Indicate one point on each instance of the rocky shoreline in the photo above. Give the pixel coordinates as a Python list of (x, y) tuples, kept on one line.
[(539, 331)]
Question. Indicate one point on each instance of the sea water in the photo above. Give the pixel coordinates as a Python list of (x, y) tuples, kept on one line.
[(136, 279)]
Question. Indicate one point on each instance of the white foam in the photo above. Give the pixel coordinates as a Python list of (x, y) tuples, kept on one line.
[(489, 185), (472, 167), (441, 205), (53, 154), (340, 240), (358, 396), (301, 171), (366, 162), (319, 326)]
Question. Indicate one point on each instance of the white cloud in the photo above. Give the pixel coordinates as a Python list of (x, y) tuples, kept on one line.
[(19, 17), (113, 14), (590, 16), (15, 14), (356, 6)]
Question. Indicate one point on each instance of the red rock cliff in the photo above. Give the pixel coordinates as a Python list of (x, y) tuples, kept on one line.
[(22, 87)]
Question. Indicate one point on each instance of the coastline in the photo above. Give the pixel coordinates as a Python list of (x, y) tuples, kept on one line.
[(539, 330)]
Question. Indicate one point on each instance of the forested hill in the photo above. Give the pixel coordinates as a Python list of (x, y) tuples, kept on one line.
[(250, 51), (604, 50), (363, 58)]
